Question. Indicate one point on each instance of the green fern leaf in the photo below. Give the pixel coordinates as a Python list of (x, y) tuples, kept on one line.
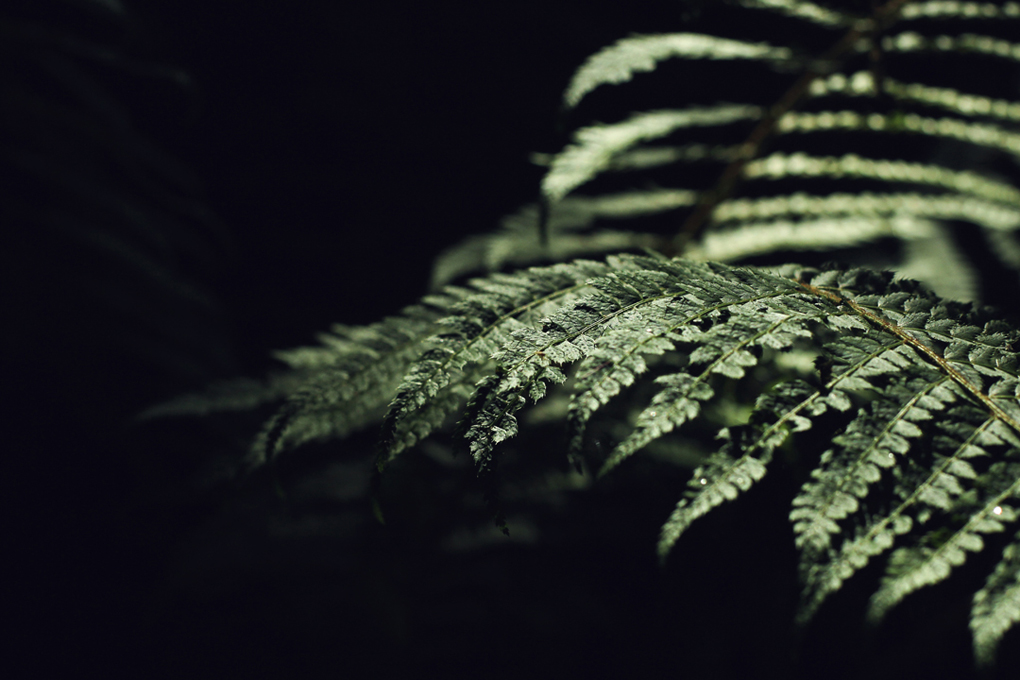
[(800, 9), (725, 475), (723, 349), (571, 225), (595, 147), (345, 385), (997, 605), (939, 9), (911, 568), (437, 382), (619, 62), (846, 474), (722, 478)]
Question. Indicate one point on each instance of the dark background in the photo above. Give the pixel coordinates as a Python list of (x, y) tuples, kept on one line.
[(322, 155), (317, 156), (369, 134)]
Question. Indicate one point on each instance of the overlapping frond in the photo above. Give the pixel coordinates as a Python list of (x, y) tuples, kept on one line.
[(619, 62), (925, 454), (595, 147), (929, 389), (894, 123), (951, 9), (997, 604), (348, 381), (439, 381), (799, 9), (571, 220)]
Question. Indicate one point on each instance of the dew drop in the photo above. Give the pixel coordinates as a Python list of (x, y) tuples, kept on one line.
[(703, 481), (997, 510)]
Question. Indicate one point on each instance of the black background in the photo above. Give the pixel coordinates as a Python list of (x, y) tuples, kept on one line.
[(370, 134)]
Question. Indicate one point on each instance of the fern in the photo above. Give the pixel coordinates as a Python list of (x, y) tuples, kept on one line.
[(917, 393), (906, 191), (928, 389)]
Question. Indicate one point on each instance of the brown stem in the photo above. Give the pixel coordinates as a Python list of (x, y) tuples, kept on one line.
[(880, 20)]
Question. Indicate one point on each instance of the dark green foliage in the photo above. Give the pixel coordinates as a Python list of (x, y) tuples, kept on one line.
[(896, 410), (925, 459)]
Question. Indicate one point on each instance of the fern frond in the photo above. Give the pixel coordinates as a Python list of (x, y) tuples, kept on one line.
[(595, 147), (967, 42), (350, 378), (637, 144), (911, 568), (241, 394), (937, 262), (862, 84), (760, 319), (780, 166), (902, 348), (873, 205), (979, 134), (867, 446), (799, 9), (997, 605), (569, 224), (921, 393), (977, 120), (759, 238), (532, 359), (980, 367), (924, 492), (477, 327), (619, 62), (742, 461), (952, 9)]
